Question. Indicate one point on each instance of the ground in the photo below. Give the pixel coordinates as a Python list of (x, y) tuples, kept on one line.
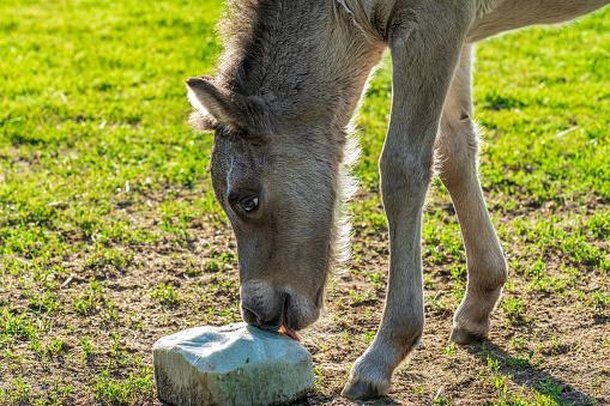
[(110, 236)]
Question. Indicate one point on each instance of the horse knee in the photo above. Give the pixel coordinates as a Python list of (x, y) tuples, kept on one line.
[(404, 177)]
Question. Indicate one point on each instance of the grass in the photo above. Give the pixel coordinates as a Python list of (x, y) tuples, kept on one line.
[(110, 236)]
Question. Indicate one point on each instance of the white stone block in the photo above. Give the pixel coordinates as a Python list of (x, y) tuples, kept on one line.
[(231, 365)]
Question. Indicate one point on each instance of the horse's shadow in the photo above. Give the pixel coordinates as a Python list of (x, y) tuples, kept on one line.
[(523, 373), (520, 371)]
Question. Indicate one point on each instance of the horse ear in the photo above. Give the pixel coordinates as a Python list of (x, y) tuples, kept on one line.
[(217, 106)]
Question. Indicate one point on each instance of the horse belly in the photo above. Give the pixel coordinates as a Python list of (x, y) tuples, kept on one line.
[(513, 14)]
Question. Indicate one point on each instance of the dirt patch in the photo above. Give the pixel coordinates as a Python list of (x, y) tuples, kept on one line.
[(554, 346)]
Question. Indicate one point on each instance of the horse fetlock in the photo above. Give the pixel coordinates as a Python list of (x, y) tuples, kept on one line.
[(371, 374), (471, 320), (369, 377), (494, 273), (408, 336)]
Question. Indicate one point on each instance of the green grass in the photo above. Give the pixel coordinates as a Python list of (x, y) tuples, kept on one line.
[(109, 231)]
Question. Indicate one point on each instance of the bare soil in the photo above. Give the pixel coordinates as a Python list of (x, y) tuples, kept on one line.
[(559, 346)]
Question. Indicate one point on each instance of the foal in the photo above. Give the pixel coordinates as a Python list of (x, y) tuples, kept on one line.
[(288, 83)]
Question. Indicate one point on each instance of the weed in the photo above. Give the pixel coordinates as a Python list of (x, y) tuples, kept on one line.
[(87, 346), (514, 309), (166, 294), (450, 350), (90, 300), (123, 391)]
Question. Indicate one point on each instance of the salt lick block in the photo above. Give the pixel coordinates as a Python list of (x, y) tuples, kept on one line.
[(231, 365)]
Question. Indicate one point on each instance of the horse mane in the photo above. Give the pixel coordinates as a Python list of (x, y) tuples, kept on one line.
[(242, 30)]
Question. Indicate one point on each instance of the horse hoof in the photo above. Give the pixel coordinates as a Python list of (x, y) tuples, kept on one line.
[(463, 337), (363, 388)]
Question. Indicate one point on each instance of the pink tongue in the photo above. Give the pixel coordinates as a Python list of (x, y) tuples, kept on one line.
[(287, 331)]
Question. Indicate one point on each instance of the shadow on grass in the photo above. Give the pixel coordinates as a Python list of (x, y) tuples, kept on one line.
[(517, 369), (521, 372)]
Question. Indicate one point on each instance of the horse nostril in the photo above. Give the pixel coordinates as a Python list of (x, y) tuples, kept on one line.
[(250, 316), (267, 322)]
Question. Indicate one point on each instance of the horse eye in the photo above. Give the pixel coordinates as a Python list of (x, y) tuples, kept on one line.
[(249, 204)]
